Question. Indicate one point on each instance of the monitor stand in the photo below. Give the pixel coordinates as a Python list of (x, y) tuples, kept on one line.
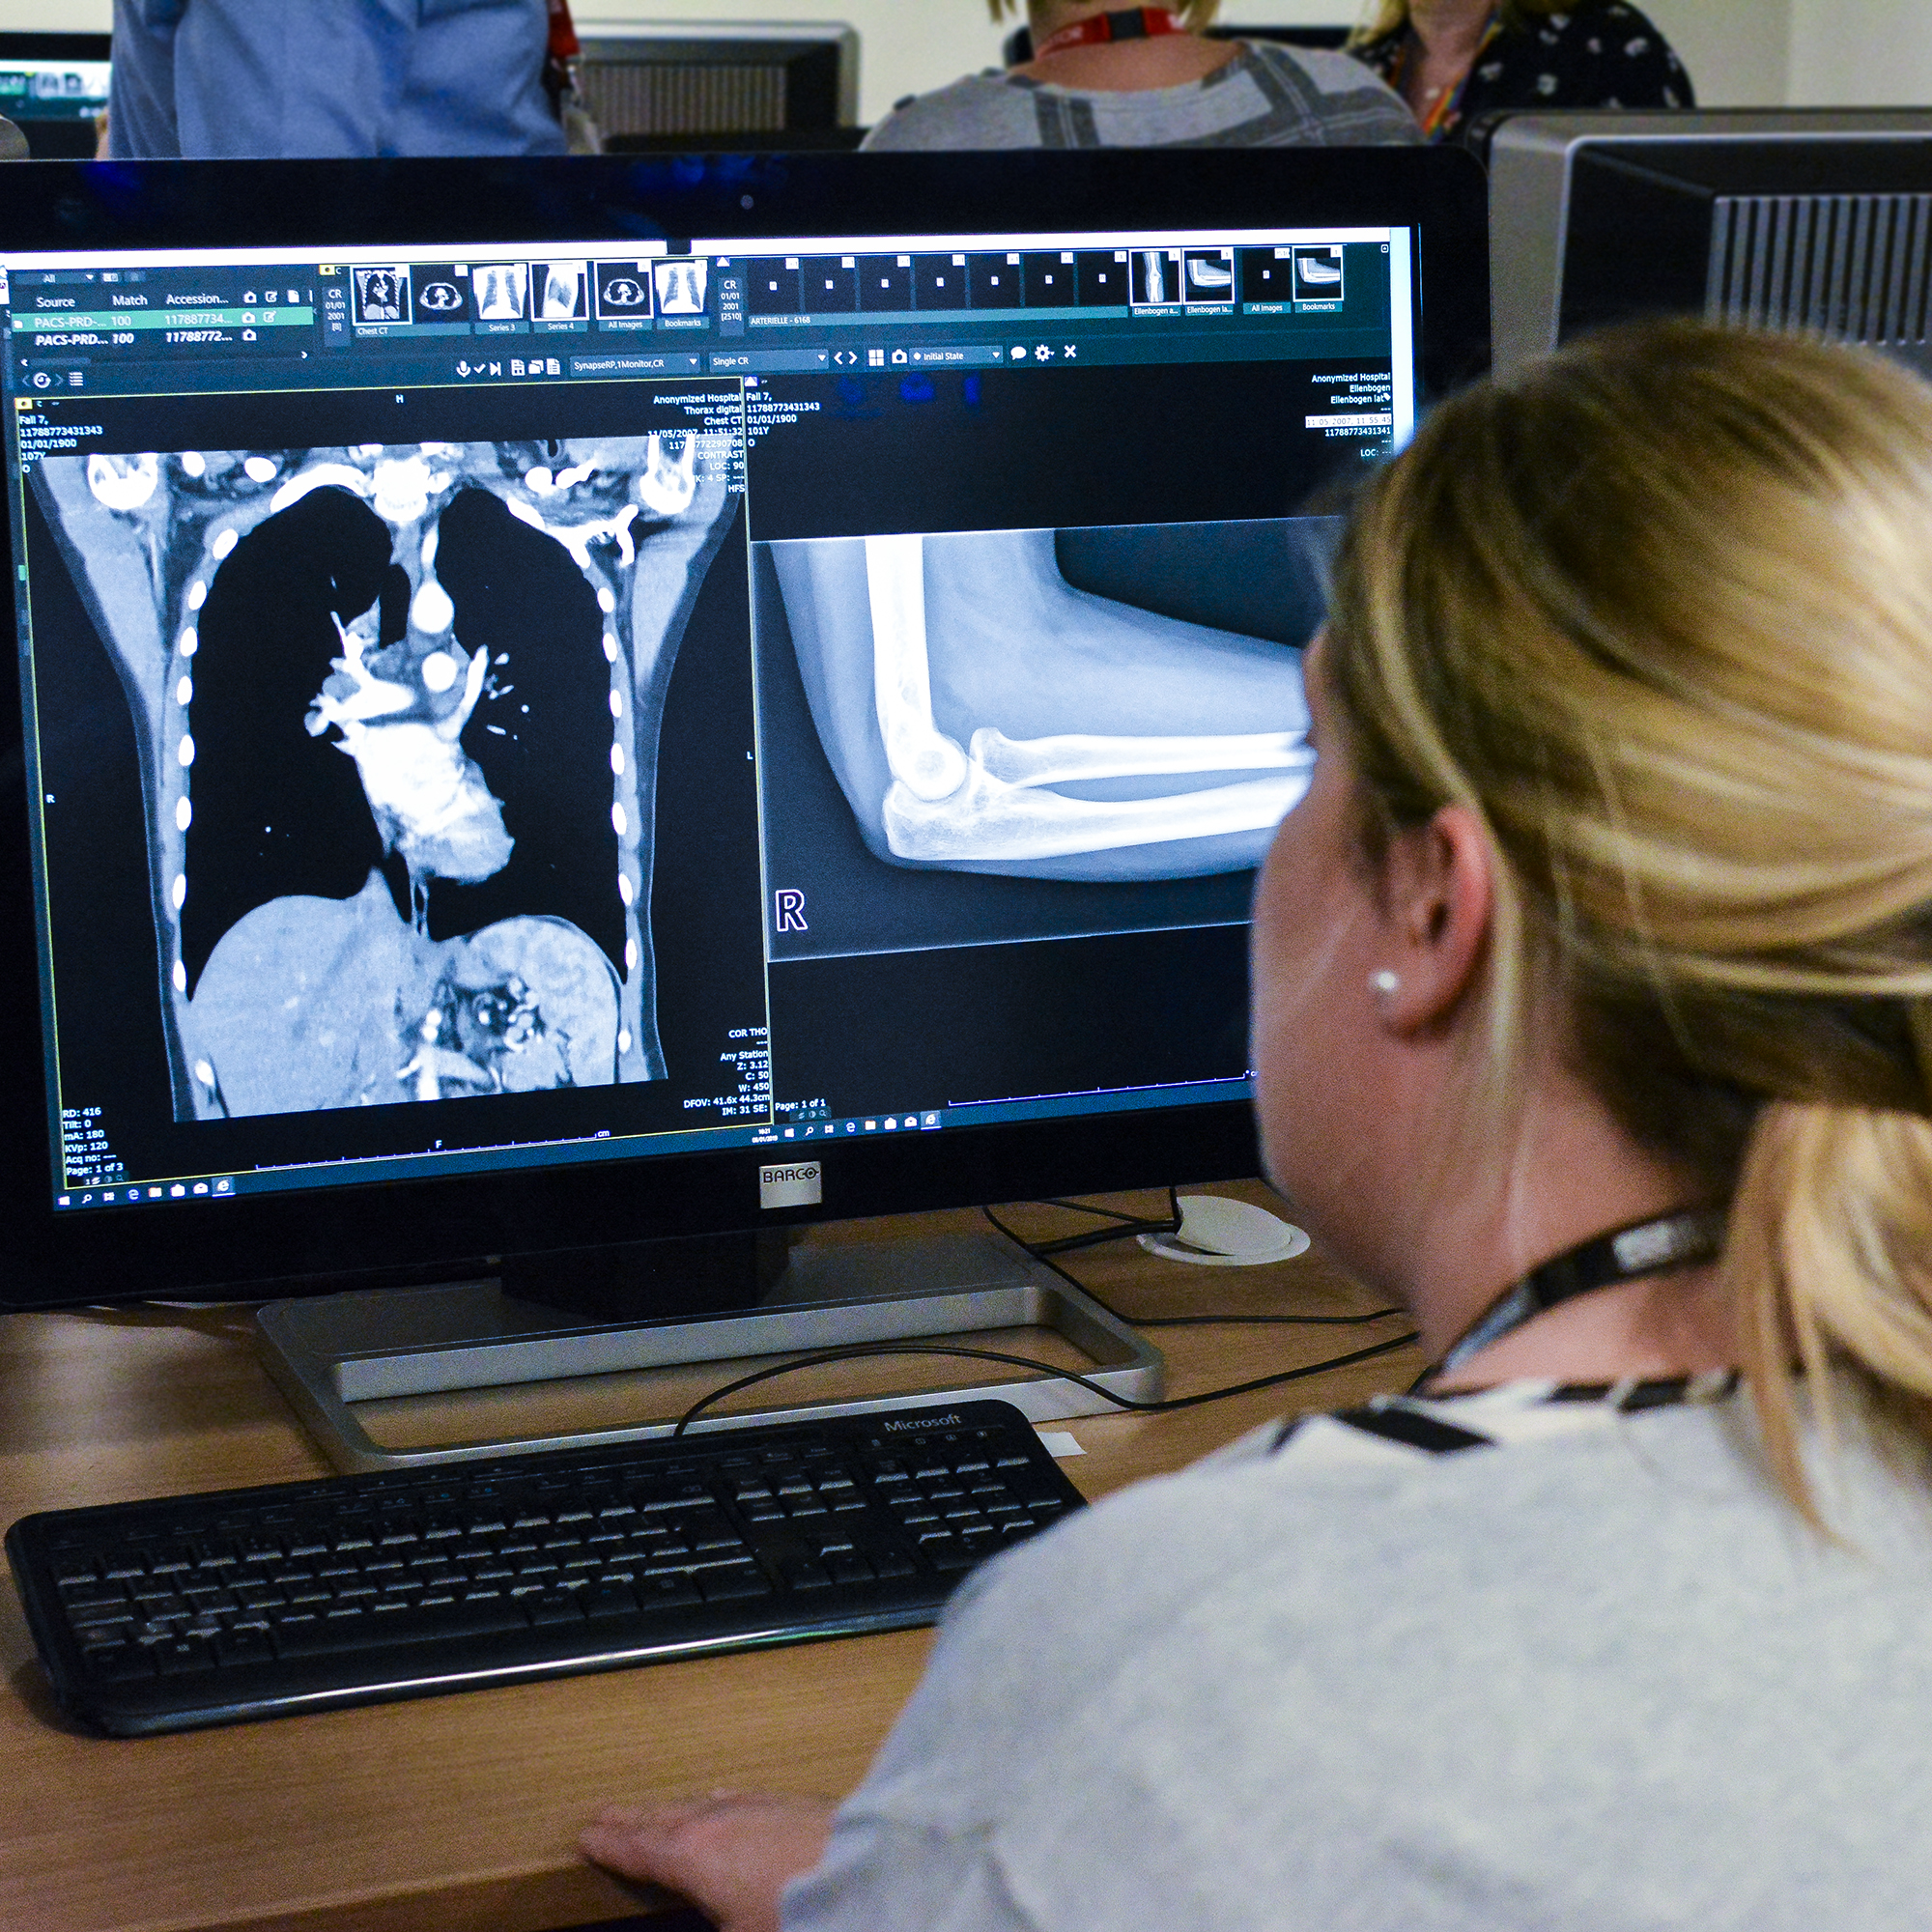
[(332, 1352)]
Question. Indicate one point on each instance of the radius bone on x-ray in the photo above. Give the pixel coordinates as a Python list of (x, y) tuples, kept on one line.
[(981, 713), (398, 711)]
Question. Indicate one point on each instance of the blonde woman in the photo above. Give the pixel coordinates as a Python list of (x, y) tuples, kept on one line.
[(1593, 1015), (1453, 61), (1108, 76)]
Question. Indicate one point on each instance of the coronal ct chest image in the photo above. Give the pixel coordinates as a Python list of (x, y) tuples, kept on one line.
[(984, 713), (398, 709)]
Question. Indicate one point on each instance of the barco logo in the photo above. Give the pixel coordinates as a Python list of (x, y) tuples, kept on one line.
[(800, 1186)]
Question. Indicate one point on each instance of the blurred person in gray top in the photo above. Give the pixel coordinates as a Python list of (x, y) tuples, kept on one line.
[(202, 79), (1145, 77)]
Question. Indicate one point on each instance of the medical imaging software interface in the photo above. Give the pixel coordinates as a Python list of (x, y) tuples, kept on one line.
[(560, 708)]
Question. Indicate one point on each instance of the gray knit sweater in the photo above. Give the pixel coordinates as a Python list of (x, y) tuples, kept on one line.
[(1267, 97)]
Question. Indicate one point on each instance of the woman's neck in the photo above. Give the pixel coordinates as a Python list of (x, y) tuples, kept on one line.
[(1117, 66), (1568, 1174), (1449, 28), (1448, 36)]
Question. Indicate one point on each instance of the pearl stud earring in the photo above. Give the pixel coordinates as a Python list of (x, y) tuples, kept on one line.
[(1384, 985)]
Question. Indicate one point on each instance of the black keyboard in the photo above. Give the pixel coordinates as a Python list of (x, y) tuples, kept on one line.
[(208, 1609)]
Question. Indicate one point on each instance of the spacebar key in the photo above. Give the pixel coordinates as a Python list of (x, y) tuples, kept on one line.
[(324, 1636)]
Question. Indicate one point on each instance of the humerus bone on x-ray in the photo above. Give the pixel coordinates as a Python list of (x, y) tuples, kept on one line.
[(1159, 799)]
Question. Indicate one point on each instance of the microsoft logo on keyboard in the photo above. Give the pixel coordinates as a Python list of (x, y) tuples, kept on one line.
[(951, 1421)]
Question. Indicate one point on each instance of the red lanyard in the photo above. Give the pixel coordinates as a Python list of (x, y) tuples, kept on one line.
[(1135, 23), (564, 45)]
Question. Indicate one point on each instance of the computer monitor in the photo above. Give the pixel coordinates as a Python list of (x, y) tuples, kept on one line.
[(53, 86), (572, 712), (1812, 221), (657, 79)]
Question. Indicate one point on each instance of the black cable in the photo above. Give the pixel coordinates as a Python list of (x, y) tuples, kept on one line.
[(1088, 1207), (1127, 1224), (858, 1350), (1047, 1251)]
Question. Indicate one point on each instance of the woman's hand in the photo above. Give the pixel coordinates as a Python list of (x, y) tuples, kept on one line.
[(730, 1854)]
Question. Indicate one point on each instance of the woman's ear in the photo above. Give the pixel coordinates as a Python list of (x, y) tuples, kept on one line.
[(1438, 894)]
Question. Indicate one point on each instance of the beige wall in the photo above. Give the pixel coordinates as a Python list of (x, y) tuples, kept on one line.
[(1740, 52), (1737, 51), (1876, 52)]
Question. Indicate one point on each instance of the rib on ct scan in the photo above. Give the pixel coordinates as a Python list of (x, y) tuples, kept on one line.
[(399, 709)]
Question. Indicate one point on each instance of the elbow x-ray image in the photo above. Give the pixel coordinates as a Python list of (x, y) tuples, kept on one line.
[(397, 708), (1017, 735), (982, 714)]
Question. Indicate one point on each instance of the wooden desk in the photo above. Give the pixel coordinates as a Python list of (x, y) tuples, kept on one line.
[(461, 1812)]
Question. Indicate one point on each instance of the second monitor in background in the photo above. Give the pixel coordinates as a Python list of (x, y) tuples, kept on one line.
[(650, 85), (53, 87), (1815, 221)]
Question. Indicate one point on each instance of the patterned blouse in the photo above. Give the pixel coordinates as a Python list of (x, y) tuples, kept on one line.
[(1598, 56)]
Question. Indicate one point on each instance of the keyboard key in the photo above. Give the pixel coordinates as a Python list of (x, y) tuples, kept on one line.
[(610, 1600), (177, 1656), (318, 1636), (78, 1597), (244, 1646), (98, 1626), (723, 1586), (120, 1664), (892, 1563), (666, 1593)]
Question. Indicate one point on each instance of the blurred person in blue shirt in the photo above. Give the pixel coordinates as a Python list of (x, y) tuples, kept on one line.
[(273, 78)]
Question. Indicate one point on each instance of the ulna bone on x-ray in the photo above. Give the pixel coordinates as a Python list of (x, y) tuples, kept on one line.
[(981, 713), (399, 709)]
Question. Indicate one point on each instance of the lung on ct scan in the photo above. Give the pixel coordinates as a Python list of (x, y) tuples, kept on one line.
[(399, 710)]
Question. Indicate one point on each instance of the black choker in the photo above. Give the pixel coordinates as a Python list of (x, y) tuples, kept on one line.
[(1627, 1254)]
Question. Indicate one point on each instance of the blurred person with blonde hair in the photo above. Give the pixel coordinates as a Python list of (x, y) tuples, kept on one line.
[(1593, 1022), (1453, 61), (1106, 77)]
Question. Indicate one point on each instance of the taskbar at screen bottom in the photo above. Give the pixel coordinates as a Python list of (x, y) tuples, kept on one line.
[(788, 1129)]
